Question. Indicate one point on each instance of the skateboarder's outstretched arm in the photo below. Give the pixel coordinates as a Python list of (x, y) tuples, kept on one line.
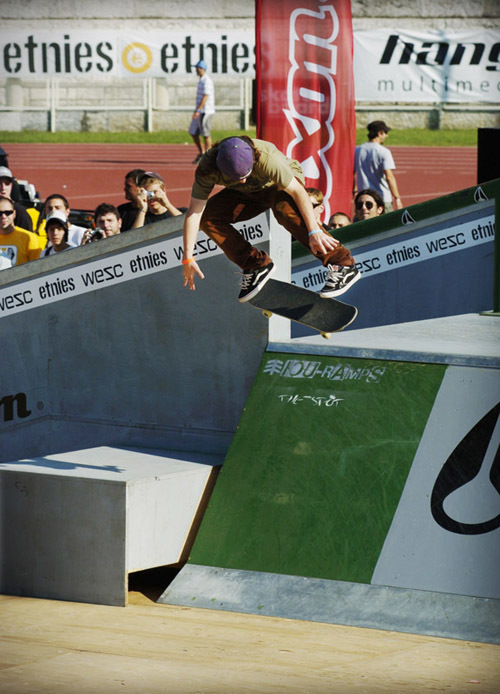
[(190, 232), (319, 241)]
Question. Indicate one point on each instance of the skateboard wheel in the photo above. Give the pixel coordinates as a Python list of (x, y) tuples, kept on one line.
[(267, 314), (326, 335)]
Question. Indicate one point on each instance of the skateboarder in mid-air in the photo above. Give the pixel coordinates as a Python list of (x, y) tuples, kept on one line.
[(256, 177)]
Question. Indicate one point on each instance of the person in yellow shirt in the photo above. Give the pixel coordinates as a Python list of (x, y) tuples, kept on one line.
[(16, 245)]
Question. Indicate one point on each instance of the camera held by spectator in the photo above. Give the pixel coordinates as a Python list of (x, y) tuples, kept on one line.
[(108, 223)]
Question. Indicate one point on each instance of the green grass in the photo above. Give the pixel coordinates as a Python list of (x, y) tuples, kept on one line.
[(415, 137), (175, 137), (420, 137)]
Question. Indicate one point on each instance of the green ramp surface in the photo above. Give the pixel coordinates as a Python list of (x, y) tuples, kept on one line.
[(317, 466)]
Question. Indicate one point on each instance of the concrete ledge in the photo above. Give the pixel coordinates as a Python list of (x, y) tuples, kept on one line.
[(336, 602), (75, 524), (466, 340)]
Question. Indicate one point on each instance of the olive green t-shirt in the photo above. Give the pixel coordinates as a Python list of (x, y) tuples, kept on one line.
[(272, 168)]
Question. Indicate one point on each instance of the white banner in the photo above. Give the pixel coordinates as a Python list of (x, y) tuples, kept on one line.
[(122, 54), (122, 267), (389, 65), (433, 66), (415, 250)]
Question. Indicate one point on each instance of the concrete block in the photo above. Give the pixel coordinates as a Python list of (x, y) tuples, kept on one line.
[(75, 524)]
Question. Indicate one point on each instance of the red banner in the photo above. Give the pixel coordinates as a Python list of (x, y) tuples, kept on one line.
[(305, 90)]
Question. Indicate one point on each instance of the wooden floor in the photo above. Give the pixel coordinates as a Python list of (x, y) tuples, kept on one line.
[(64, 648)]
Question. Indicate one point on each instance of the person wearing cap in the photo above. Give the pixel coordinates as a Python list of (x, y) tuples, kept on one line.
[(23, 219), (56, 226), (154, 203), (374, 165), (257, 177), (203, 112), (16, 245), (58, 203)]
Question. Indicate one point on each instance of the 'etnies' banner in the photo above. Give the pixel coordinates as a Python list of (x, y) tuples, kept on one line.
[(306, 90)]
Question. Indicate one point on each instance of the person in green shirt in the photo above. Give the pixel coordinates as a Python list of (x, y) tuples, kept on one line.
[(257, 177)]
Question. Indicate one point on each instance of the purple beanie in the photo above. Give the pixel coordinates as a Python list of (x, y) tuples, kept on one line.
[(235, 158)]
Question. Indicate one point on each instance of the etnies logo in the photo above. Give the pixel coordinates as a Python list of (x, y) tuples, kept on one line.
[(7, 407)]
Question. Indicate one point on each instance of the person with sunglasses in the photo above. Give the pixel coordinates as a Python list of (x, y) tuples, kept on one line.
[(318, 202), (23, 219), (16, 245), (368, 204), (337, 220)]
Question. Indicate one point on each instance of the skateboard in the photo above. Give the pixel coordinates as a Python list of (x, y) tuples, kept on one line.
[(303, 306)]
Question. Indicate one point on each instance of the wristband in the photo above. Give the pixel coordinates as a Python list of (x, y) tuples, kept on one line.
[(316, 231), (187, 261)]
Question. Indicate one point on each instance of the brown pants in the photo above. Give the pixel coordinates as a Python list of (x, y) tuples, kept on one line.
[(230, 206)]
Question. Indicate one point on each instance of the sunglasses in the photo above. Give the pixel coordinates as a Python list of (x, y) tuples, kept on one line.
[(368, 204), (7, 213)]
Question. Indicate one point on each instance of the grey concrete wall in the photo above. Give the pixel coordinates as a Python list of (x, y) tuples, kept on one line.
[(240, 14), (143, 363)]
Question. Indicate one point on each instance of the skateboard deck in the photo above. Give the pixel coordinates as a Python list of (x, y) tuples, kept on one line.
[(304, 307)]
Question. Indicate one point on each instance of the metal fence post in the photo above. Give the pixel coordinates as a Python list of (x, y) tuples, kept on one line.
[(149, 98), (52, 100)]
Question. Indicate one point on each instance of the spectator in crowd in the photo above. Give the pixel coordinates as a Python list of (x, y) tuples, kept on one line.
[(23, 219), (16, 244), (128, 210), (317, 201), (56, 226), (338, 220), (368, 204), (58, 202), (204, 110), (107, 221), (155, 205), (374, 164)]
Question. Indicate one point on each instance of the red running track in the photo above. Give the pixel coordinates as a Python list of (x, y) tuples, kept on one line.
[(88, 174)]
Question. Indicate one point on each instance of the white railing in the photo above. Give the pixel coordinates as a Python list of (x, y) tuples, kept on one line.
[(166, 104), (151, 96)]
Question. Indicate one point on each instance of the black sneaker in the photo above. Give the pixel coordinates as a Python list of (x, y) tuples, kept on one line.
[(339, 279), (253, 281)]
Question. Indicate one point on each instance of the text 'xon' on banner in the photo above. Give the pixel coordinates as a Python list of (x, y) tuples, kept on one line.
[(305, 90)]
